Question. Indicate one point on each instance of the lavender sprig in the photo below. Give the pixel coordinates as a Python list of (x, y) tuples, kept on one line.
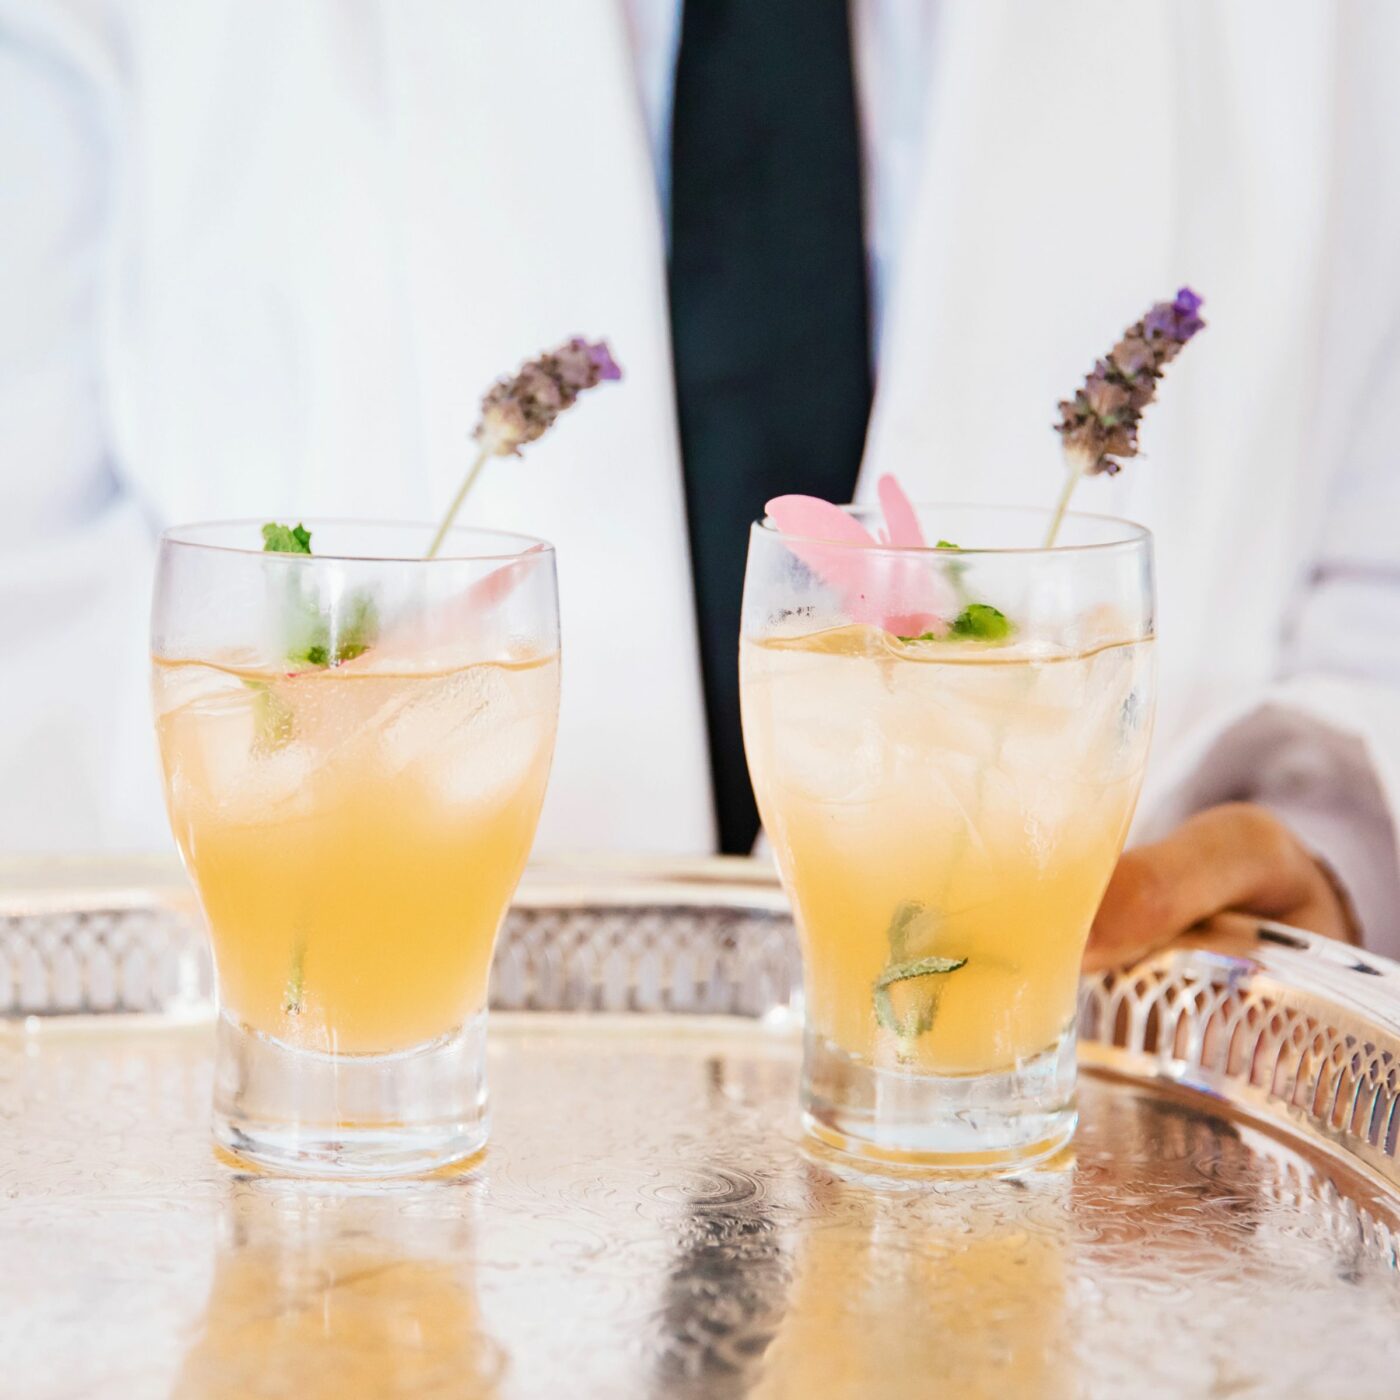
[(522, 407), (1099, 424)]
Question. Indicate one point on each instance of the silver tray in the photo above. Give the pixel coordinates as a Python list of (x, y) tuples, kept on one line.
[(648, 1222)]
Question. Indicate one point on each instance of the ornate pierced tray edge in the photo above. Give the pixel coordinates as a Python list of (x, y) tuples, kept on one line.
[(1286, 1028)]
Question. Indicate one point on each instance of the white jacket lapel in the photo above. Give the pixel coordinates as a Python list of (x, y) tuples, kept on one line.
[(1041, 221)]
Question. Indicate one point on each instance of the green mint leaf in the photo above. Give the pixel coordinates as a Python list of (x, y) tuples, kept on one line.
[(920, 967), (979, 621), (912, 922), (982, 621), (314, 637), (286, 539), (359, 630), (947, 544), (319, 639), (920, 1021)]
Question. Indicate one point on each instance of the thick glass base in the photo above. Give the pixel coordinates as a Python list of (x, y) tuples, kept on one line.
[(987, 1123), (311, 1114)]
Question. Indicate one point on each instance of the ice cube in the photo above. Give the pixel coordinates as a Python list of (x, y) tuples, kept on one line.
[(948, 710), (437, 715), (208, 740), (472, 735), (493, 770), (825, 721), (274, 784)]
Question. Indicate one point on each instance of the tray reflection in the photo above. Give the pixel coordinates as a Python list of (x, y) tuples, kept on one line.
[(320, 1295), (647, 1223)]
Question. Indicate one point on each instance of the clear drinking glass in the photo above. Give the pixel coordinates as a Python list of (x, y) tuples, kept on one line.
[(946, 804), (356, 745)]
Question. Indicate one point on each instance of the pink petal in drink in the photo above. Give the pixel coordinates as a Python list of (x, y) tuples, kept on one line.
[(901, 521), (906, 595), (813, 522)]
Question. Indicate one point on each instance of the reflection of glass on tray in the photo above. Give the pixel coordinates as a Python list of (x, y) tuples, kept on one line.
[(330, 1298)]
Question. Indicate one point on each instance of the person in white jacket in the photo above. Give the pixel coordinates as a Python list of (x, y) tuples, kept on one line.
[(259, 259)]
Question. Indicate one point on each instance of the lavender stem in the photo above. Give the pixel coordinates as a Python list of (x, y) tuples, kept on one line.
[(1073, 471), (482, 454)]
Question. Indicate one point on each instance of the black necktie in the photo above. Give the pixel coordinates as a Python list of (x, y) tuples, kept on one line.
[(768, 307)]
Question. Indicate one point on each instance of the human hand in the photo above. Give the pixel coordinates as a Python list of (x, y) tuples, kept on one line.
[(1237, 856)]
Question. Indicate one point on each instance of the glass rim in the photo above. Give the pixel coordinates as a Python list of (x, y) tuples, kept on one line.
[(1134, 535), (528, 544)]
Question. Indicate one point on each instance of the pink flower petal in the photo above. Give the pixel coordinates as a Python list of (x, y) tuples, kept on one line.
[(842, 569), (903, 522), (907, 595), (816, 519)]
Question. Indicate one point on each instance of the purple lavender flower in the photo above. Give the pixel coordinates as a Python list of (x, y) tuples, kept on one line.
[(608, 368), (522, 407), (1175, 320), (1100, 423)]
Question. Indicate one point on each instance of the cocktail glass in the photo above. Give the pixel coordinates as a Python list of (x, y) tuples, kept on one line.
[(356, 745), (946, 806)]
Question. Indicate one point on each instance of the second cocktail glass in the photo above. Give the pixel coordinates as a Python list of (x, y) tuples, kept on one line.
[(356, 745), (947, 746)]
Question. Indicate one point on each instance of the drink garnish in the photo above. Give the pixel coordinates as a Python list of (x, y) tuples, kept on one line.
[(978, 622), (902, 528), (911, 922), (900, 594), (897, 594), (1099, 425), (983, 621), (919, 1021), (314, 637), (286, 539), (920, 967), (516, 410), (523, 406)]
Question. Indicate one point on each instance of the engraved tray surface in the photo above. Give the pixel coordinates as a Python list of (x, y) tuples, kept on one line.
[(647, 1221)]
